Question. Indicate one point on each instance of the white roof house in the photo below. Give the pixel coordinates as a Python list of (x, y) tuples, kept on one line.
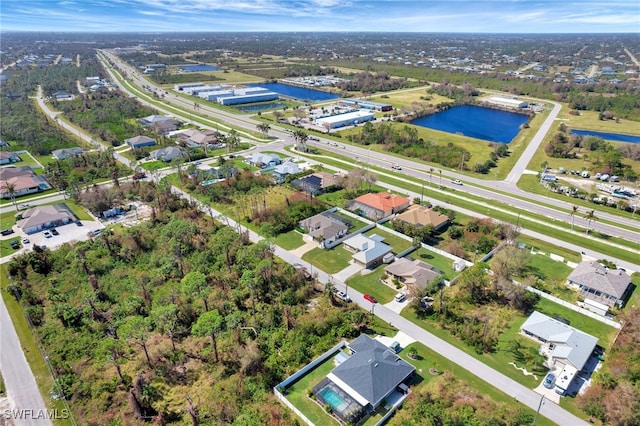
[(368, 251), (567, 344)]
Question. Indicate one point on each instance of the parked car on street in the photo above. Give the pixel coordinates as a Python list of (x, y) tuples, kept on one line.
[(370, 298), (6, 232)]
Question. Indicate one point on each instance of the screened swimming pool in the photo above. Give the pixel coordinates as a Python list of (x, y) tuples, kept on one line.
[(342, 405)]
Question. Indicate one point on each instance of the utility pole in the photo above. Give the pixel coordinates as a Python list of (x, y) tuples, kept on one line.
[(538, 410), (422, 194)]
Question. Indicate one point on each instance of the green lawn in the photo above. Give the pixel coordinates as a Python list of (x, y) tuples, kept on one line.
[(154, 165), (5, 245), (543, 246), (297, 394), (289, 240), (434, 259), (370, 283), (330, 261), (398, 244), (548, 269)]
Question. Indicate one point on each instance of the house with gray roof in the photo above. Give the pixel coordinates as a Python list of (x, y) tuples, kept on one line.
[(159, 123), (325, 228), (281, 171), (167, 154), (264, 160), (140, 141), (596, 282), (368, 252), (412, 273), (365, 379), (316, 183), (42, 217), (567, 348), (64, 153)]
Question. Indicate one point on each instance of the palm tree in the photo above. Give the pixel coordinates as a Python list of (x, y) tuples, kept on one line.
[(233, 140), (264, 128), (431, 169), (574, 210), (300, 136), (11, 190), (591, 217)]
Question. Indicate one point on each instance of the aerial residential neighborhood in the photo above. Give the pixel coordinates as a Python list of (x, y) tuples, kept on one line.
[(203, 225)]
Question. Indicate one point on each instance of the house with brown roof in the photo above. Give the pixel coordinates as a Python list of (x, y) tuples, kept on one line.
[(9, 157), (43, 217), (416, 272), (423, 216), (23, 180), (376, 206), (611, 287), (197, 137)]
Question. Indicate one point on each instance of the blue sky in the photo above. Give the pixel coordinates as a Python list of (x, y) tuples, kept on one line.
[(488, 16)]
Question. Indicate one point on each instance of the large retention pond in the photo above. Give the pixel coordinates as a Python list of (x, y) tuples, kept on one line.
[(616, 137), (199, 67), (300, 93), (476, 122)]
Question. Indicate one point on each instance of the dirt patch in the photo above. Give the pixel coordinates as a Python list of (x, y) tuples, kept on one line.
[(581, 183)]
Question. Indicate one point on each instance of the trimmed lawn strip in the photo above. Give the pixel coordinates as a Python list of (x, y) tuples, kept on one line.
[(355, 223), (289, 240), (32, 352), (370, 283), (545, 247), (548, 269), (330, 261), (5, 245)]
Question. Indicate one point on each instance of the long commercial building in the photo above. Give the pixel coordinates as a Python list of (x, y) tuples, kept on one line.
[(346, 119), (507, 102)]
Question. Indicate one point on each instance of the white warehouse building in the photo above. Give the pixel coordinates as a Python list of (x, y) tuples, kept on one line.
[(247, 95), (346, 119), (195, 91), (507, 102), (181, 87)]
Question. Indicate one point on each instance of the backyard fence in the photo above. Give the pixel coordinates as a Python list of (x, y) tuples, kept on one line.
[(298, 374)]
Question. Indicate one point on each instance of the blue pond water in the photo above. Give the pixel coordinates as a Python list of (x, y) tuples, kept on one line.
[(476, 122), (301, 93), (200, 67), (616, 137)]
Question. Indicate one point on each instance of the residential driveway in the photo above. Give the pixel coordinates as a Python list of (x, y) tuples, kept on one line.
[(396, 306), (549, 394), (400, 337), (304, 248), (348, 272)]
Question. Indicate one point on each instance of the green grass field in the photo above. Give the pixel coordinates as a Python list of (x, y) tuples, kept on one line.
[(398, 244), (370, 283), (289, 240), (330, 261)]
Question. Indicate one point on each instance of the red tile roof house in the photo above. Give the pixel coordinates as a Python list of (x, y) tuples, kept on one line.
[(378, 206)]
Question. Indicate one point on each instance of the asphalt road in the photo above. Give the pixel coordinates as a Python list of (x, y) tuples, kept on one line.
[(18, 378)]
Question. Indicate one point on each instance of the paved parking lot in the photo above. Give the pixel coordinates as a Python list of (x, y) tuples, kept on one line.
[(67, 233)]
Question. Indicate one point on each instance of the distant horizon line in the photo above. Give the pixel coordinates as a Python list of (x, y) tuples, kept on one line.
[(314, 32)]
